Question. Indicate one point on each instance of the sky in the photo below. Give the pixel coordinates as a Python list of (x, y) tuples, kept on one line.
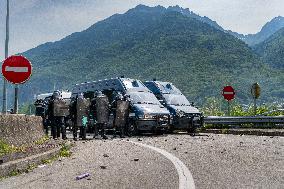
[(34, 22)]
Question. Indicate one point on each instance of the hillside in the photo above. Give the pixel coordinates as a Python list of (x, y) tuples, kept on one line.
[(272, 50), (267, 30), (148, 43)]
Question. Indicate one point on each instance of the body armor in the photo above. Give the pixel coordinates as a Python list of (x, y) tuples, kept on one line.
[(121, 113), (60, 108), (82, 107), (102, 109)]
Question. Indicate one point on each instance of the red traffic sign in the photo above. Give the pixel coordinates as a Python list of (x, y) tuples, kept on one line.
[(16, 69), (228, 93)]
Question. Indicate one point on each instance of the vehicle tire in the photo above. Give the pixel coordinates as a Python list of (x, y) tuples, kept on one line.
[(131, 129), (171, 129)]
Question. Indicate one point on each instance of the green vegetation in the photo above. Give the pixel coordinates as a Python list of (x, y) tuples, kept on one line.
[(27, 108), (42, 140), (218, 107), (65, 151), (7, 149), (272, 50), (151, 42)]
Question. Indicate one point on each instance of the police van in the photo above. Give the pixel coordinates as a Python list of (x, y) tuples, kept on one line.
[(184, 116), (147, 114)]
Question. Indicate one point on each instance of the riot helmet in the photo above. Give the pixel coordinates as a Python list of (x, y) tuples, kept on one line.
[(56, 94), (81, 95), (119, 96), (99, 93)]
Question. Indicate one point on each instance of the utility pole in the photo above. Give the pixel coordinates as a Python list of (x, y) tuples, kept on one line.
[(4, 105)]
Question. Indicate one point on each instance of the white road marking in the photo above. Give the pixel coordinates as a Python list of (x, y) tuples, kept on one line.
[(228, 93), (185, 177), (16, 69)]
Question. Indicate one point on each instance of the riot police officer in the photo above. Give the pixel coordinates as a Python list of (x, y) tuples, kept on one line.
[(57, 110), (92, 115), (80, 112), (41, 110), (102, 113), (121, 113)]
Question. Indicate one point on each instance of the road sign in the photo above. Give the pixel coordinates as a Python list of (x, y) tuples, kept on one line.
[(17, 69), (228, 93), (255, 90)]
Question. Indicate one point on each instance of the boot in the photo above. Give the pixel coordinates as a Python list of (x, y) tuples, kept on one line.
[(75, 130), (103, 134), (63, 129)]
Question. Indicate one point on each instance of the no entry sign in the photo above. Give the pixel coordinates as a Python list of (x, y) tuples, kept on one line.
[(17, 69), (228, 93)]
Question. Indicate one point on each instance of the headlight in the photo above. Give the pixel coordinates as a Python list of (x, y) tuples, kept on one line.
[(147, 116)]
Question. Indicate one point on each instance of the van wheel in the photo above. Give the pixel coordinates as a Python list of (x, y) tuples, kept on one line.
[(131, 130)]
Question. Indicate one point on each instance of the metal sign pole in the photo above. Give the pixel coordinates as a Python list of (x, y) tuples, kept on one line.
[(255, 106), (4, 105), (16, 103), (228, 108)]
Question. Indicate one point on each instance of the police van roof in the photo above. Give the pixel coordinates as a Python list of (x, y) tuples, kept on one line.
[(164, 87), (117, 84)]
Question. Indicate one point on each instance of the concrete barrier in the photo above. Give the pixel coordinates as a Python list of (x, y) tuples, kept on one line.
[(20, 129)]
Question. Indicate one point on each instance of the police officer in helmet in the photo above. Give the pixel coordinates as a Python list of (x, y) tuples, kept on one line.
[(121, 113), (102, 113), (80, 111), (56, 114)]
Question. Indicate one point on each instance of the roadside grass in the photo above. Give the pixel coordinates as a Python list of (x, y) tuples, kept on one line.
[(64, 152), (5, 148), (42, 140)]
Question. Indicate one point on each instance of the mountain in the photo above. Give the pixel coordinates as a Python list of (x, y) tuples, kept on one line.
[(267, 30), (151, 42), (272, 50)]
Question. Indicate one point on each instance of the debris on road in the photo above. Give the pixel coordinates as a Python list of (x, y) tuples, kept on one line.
[(103, 167), (82, 176), (42, 166), (174, 148), (136, 159), (105, 155)]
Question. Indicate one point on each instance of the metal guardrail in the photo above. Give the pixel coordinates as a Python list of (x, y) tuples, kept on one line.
[(243, 120)]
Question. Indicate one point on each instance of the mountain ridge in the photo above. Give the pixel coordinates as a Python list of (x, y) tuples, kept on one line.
[(169, 46)]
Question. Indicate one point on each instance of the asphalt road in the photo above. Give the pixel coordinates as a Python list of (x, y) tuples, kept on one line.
[(215, 161)]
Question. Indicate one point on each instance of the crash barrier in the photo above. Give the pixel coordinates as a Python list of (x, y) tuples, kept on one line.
[(244, 120), (20, 129)]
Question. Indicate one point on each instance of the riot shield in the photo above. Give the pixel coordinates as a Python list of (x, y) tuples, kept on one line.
[(82, 107), (121, 113), (102, 109), (60, 108)]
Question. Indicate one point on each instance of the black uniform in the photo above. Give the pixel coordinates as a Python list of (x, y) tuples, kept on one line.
[(102, 113), (41, 110), (121, 114), (57, 111), (80, 114)]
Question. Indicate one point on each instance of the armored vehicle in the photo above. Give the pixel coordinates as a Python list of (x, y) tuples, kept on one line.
[(184, 116), (146, 112), (41, 104)]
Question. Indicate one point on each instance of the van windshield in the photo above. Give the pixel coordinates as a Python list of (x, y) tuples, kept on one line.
[(143, 98), (178, 100), (132, 84)]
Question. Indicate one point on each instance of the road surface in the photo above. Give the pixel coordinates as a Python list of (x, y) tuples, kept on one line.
[(215, 161)]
